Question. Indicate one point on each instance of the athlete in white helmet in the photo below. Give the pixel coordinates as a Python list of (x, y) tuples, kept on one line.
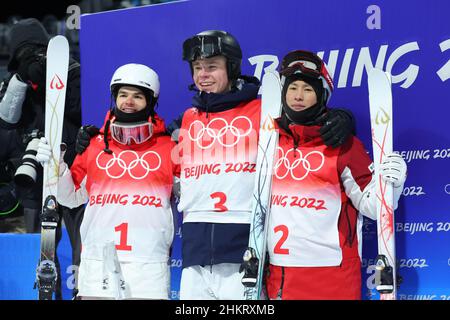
[(319, 193), (126, 178)]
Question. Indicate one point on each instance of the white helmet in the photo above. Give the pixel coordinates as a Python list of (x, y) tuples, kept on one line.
[(136, 75)]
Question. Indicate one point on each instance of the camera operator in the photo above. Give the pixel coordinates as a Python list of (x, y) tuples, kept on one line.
[(22, 101)]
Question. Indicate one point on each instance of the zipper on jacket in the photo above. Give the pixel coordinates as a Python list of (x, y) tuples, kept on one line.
[(350, 234), (212, 247)]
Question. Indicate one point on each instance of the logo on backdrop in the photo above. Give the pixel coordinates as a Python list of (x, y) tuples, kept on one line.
[(425, 154), (341, 73), (417, 227), (447, 188)]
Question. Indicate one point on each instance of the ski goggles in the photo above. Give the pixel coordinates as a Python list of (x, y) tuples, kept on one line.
[(202, 47), (302, 62), (126, 133), (306, 67)]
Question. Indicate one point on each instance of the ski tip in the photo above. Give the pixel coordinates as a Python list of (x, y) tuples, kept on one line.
[(376, 73), (377, 76), (271, 74), (58, 40), (388, 76), (271, 80)]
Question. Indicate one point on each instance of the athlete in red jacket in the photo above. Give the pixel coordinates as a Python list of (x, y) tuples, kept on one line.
[(319, 194), (126, 177)]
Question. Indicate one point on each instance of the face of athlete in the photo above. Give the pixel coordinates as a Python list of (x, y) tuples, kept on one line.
[(210, 74), (300, 96), (130, 99)]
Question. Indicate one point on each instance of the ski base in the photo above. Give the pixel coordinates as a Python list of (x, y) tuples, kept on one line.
[(250, 267), (46, 273), (255, 256), (384, 276), (55, 96), (381, 120), (46, 276)]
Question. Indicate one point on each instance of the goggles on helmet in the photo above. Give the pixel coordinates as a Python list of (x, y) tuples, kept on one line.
[(202, 47), (303, 62), (126, 133)]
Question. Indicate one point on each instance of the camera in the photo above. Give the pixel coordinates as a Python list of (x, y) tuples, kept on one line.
[(27, 171), (8, 197)]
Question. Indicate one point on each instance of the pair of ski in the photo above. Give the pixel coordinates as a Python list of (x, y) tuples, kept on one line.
[(380, 101), (55, 96)]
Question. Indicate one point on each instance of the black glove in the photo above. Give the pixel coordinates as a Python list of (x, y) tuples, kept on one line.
[(337, 126), (172, 128), (37, 71), (7, 169), (22, 71), (84, 137), (32, 65)]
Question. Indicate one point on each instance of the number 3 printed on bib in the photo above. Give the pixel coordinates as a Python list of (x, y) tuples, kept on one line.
[(220, 205)]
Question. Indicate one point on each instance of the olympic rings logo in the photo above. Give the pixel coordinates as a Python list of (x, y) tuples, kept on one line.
[(311, 162), (216, 130), (117, 166), (447, 188)]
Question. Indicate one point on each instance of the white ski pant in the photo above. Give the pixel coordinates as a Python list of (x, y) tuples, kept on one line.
[(216, 282), (142, 280)]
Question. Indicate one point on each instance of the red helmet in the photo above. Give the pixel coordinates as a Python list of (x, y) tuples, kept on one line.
[(310, 65)]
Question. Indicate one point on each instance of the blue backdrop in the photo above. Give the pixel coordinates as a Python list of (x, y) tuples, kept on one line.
[(411, 39), (19, 257)]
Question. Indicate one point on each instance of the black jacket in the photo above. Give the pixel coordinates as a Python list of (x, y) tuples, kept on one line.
[(10, 155), (33, 117)]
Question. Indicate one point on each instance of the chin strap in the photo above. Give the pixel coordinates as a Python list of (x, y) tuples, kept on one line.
[(105, 137)]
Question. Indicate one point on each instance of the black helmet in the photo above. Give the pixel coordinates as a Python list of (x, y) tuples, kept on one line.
[(212, 43)]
